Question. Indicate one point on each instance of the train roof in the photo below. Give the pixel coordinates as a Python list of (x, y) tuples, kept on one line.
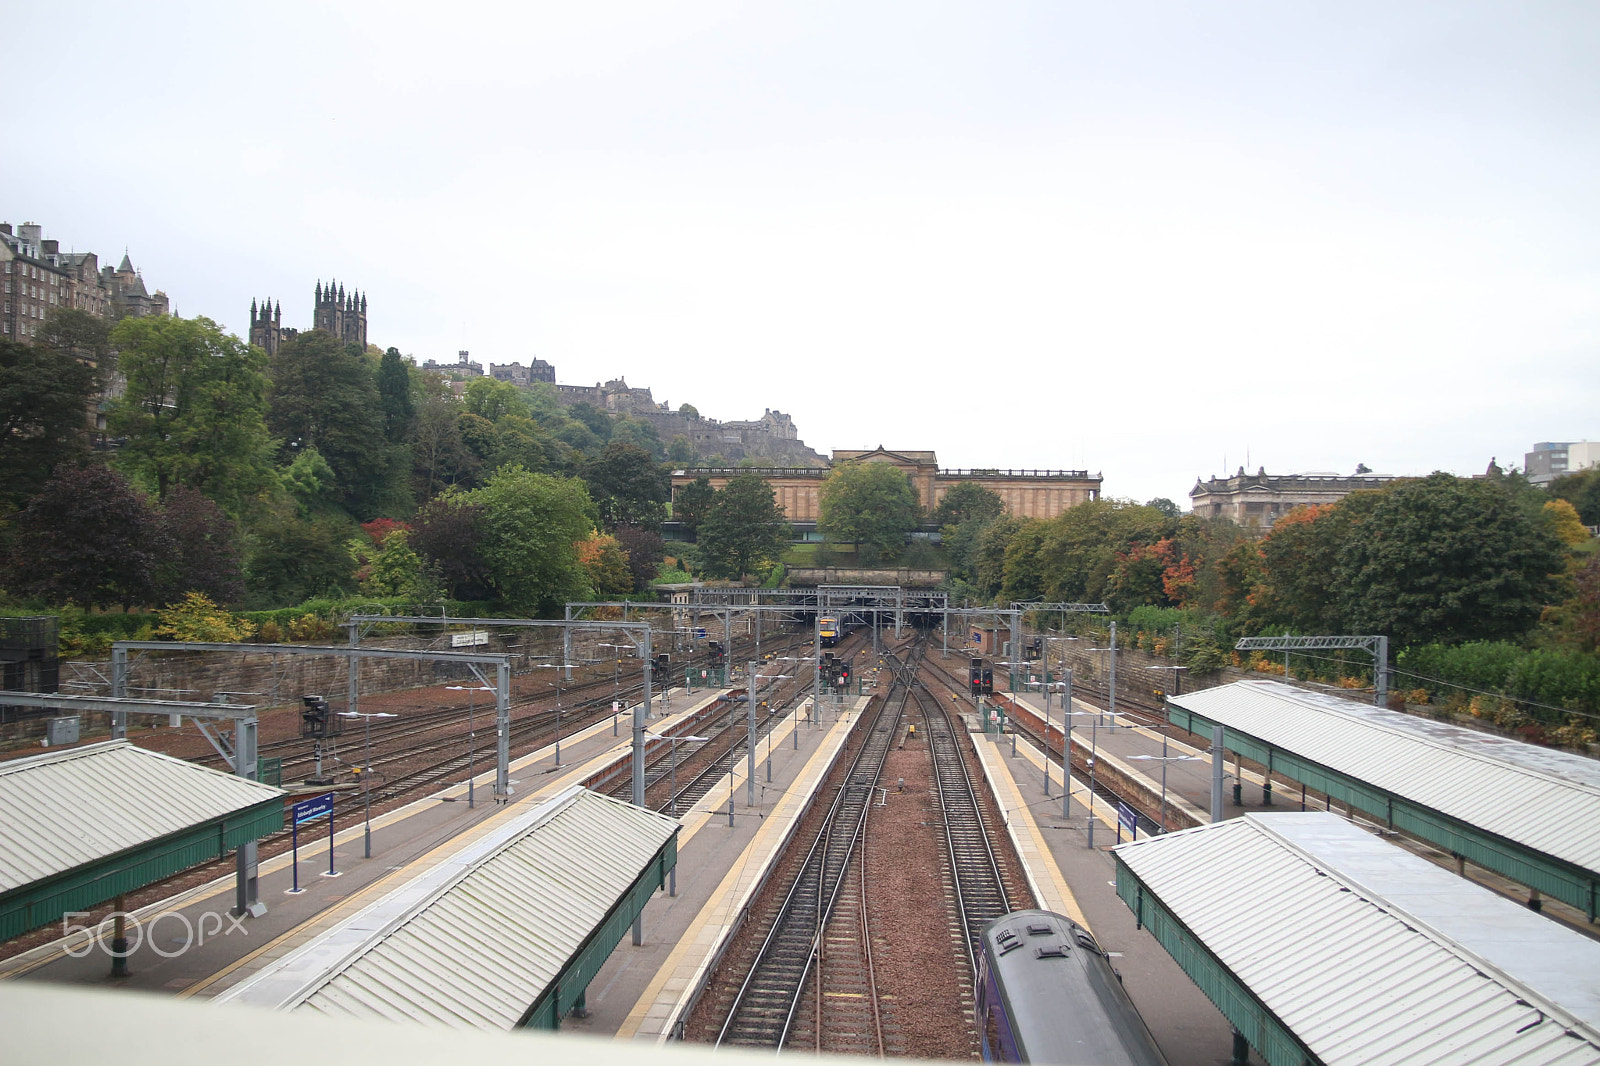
[(1064, 1001)]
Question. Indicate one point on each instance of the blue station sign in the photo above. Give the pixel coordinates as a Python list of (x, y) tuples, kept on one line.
[(311, 809)]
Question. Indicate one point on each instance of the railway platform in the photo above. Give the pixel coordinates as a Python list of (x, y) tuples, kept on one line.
[(1070, 877), (189, 946)]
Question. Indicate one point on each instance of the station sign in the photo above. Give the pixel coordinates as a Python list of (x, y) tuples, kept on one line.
[(311, 809), (1127, 819), (469, 640)]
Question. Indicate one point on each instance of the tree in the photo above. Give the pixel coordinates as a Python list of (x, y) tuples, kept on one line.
[(1565, 523), (680, 450), (195, 618), (641, 434), (689, 411), (628, 487), (967, 501), (693, 503), (325, 395), (89, 537), (44, 398), (439, 455), (1165, 506), (289, 559), (744, 530), (530, 529), (592, 418), (1582, 490), (448, 533), (206, 557), (193, 412), (606, 563), (644, 551), (394, 393), (870, 504), (1446, 559), (84, 336), (493, 399), (394, 569), (1081, 546)]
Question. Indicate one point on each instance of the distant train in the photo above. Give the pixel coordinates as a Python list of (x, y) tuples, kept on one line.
[(1048, 994), (828, 630)]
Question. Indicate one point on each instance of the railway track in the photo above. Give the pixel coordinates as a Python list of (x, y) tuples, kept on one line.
[(980, 890), (763, 1010)]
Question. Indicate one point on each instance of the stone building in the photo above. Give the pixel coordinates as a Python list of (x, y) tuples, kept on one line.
[(517, 374), (1255, 501), (463, 366), (39, 277), (1025, 493), (344, 316), (772, 436)]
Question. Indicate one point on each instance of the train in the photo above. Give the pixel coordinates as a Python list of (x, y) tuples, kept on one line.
[(828, 630), (1048, 994)]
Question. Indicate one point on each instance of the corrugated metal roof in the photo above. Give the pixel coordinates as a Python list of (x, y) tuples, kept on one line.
[(67, 808), (1372, 955), (473, 943), (1544, 799)]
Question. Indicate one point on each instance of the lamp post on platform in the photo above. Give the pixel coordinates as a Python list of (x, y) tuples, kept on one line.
[(556, 684), (750, 732), (472, 738), (366, 769)]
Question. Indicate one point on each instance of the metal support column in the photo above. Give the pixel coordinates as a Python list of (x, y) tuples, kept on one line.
[(502, 729), (640, 712), (353, 681), (1113, 677), (1380, 673), (1217, 755), (119, 690), (247, 895), (750, 741)]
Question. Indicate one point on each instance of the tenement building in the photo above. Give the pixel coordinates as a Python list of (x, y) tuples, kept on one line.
[(344, 316), (1255, 501), (1025, 493), (39, 278)]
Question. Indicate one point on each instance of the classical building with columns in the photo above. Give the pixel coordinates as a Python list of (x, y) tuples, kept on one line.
[(1026, 493)]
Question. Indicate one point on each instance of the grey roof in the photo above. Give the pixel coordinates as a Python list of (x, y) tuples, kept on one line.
[(1369, 954), (474, 942), (1541, 798), (67, 808)]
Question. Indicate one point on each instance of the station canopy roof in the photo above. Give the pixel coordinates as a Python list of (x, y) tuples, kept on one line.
[(1360, 951), (486, 936), (86, 824), (1545, 800)]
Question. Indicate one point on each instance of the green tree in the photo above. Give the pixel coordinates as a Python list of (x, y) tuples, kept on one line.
[(870, 504), (592, 418), (1165, 506), (1080, 552), (195, 617), (289, 559), (744, 530), (394, 570), (628, 487), (692, 504), (1447, 559), (44, 399), (968, 501), (193, 412), (394, 393), (493, 399), (325, 395), (531, 526), (640, 434), (680, 451), (439, 455), (689, 411), (1582, 490)]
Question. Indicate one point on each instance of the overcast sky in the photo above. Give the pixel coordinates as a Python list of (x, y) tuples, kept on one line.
[(1152, 240)]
